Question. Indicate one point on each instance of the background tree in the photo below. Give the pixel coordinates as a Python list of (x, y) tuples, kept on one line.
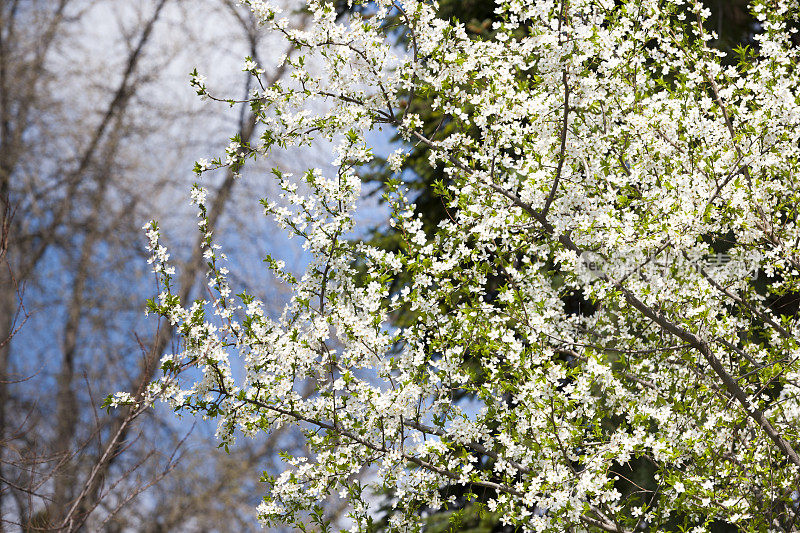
[(97, 133)]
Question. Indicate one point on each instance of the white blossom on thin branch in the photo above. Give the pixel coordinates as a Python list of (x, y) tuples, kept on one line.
[(595, 147)]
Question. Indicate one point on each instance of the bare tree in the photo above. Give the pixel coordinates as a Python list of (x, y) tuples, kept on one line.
[(88, 144), (55, 204)]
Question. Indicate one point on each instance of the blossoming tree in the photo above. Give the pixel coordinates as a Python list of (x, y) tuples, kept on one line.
[(595, 147)]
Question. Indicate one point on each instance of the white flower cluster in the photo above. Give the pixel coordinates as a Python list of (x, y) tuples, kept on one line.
[(581, 127)]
